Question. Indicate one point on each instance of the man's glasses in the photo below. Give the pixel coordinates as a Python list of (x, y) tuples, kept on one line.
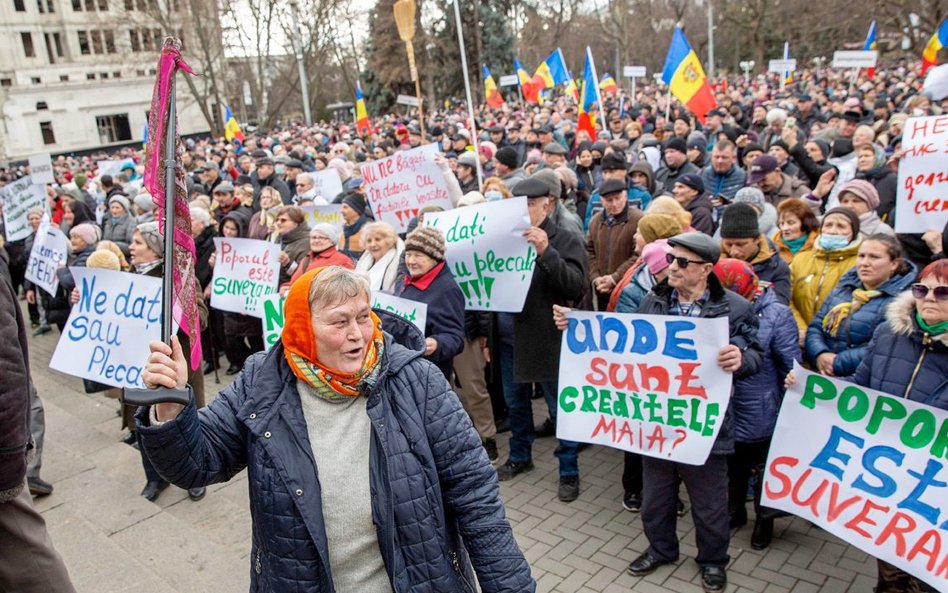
[(682, 261), (920, 291)]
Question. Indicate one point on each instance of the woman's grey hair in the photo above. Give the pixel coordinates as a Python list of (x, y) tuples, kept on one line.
[(776, 114), (198, 213), (335, 285), (380, 228)]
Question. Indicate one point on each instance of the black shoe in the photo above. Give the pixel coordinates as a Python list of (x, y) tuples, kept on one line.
[(682, 509), (569, 488), (197, 493), (537, 392), (513, 468), (39, 487), (152, 489), (129, 438), (632, 503), (490, 446), (713, 579), (210, 367), (645, 564), (547, 429), (763, 533), (234, 369)]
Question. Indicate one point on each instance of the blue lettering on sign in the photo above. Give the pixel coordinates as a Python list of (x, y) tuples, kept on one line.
[(637, 337)]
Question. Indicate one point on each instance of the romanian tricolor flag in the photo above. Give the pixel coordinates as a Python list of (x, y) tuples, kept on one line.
[(362, 116), (552, 71), (491, 94), (231, 127), (939, 40), (870, 45), (608, 84), (787, 75), (589, 98), (529, 90), (686, 78)]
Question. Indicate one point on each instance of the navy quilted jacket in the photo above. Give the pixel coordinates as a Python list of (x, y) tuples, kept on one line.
[(854, 334), (757, 397), (432, 484), (900, 350)]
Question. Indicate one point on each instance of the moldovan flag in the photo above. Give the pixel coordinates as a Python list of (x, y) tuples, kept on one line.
[(572, 89), (231, 127), (529, 90), (608, 84), (552, 71), (362, 117), (869, 45), (686, 78), (939, 40), (589, 98), (787, 75), (491, 94)]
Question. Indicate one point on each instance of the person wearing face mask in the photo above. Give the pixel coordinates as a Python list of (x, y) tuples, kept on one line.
[(495, 189), (814, 274), (838, 336)]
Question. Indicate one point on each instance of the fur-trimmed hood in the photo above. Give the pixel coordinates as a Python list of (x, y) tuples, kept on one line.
[(901, 317)]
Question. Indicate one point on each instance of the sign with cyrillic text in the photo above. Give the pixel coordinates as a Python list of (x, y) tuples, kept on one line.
[(647, 384), (921, 201)]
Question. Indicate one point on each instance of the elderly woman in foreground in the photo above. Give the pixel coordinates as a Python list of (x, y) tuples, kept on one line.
[(365, 473)]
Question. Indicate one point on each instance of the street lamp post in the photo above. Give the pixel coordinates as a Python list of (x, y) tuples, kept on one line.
[(298, 50), (747, 66), (819, 61), (405, 21)]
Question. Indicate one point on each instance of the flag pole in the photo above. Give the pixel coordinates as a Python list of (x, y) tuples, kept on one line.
[(467, 90), (592, 64)]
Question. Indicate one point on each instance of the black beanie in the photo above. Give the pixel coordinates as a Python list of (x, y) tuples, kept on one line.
[(507, 156), (355, 201), (677, 144), (739, 221)]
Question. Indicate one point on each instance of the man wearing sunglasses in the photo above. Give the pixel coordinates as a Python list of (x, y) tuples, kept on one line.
[(692, 290)]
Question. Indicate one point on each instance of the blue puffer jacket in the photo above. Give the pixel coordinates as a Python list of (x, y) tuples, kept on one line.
[(855, 332), (757, 398), (900, 350), (435, 497)]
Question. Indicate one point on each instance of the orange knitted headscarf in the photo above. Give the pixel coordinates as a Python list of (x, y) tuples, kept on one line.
[(299, 344)]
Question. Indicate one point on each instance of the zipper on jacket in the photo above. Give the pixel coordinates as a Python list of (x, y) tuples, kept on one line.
[(918, 366), (457, 569), (257, 566)]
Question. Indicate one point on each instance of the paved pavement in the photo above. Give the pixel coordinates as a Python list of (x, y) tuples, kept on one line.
[(114, 540)]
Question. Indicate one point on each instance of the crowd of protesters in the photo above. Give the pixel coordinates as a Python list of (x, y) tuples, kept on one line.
[(777, 213)]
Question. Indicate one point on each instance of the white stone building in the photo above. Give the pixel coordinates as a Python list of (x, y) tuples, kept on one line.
[(79, 74)]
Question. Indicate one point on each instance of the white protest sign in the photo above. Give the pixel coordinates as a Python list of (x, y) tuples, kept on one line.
[(781, 66), (41, 168), (327, 183), (399, 185), (330, 214), (633, 71), (648, 384), (19, 197), (50, 249), (413, 311), (921, 202), (245, 271), (272, 319), (865, 466), (106, 337), (113, 168), (487, 254), (845, 172), (856, 58)]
